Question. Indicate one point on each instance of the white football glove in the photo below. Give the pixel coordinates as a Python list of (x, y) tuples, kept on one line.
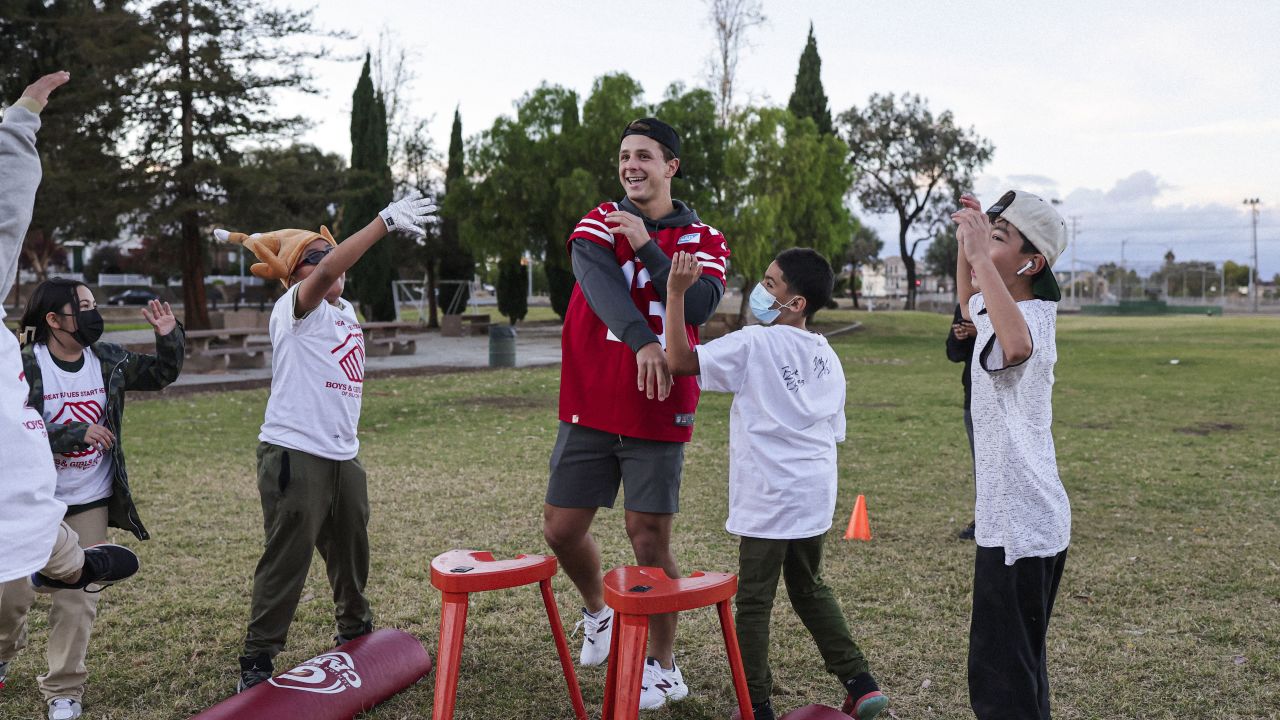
[(408, 215)]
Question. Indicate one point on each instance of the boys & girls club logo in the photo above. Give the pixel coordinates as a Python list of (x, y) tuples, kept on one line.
[(327, 674)]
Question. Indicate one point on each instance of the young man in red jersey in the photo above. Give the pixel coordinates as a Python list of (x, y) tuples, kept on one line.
[(623, 419)]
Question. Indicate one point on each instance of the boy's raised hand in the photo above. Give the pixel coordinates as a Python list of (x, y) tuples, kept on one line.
[(40, 89), (408, 215), (685, 271), (160, 315), (973, 232)]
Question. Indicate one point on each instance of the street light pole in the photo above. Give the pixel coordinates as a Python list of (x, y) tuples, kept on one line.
[(1253, 286)]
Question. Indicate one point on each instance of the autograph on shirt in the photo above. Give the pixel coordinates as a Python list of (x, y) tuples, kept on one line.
[(793, 380)]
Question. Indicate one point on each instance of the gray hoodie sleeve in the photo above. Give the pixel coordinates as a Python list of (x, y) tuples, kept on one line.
[(19, 178), (700, 300), (605, 288)]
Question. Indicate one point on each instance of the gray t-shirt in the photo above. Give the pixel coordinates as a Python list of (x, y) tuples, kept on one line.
[(1021, 504)]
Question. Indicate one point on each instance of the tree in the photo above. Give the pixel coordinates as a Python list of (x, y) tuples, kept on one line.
[(905, 161), (456, 262), (291, 186), (1236, 275), (703, 143), (508, 207), (808, 99), (789, 183), (863, 248), (940, 258), (731, 20), (207, 94), (615, 100), (84, 191), (369, 191)]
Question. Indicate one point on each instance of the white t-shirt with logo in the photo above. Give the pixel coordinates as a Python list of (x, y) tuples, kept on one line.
[(79, 396), (1021, 504), (29, 512), (317, 375), (786, 418)]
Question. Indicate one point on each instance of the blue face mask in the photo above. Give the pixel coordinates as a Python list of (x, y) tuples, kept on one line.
[(762, 305)]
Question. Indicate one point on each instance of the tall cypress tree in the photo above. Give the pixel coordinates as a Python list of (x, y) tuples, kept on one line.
[(808, 100), (456, 262), (370, 191)]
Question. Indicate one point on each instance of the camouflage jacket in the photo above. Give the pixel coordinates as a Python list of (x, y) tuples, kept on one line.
[(121, 370)]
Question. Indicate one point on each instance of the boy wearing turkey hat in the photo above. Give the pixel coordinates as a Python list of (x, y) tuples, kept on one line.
[(310, 481), (1023, 518)]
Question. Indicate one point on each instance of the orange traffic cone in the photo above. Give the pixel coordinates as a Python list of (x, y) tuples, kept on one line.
[(859, 527)]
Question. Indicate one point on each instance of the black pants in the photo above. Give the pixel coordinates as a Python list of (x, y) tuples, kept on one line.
[(1008, 667)]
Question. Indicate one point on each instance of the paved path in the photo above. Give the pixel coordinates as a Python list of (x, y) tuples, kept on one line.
[(535, 345)]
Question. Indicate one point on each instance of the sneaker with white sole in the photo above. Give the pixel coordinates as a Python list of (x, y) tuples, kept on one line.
[(64, 708), (104, 564), (597, 634), (660, 685)]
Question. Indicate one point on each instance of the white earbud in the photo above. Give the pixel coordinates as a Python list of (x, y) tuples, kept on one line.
[(1030, 264)]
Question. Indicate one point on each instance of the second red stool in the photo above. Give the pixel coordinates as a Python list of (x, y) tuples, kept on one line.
[(635, 593), (458, 573)]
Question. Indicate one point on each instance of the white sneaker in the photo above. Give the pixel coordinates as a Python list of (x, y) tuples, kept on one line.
[(64, 709), (660, 685), (596, 636)]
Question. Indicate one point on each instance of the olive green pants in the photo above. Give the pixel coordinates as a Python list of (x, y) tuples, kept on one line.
[(760, 561), (308, 503)]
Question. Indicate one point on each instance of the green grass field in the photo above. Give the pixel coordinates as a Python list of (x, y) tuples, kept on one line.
[(1169, 608)]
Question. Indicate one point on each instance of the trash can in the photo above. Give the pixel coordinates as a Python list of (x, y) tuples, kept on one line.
[(502, 346)]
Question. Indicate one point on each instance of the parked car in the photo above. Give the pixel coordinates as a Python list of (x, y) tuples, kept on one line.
[(133, 296)]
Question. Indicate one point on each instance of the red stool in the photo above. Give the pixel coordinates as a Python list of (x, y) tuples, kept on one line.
[(635, 593), (460, 572)]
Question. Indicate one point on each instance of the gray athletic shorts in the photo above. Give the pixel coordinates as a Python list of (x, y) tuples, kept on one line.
[(587, 466)]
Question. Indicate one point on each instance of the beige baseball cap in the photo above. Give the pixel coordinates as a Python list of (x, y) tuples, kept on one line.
[(1039, 223)]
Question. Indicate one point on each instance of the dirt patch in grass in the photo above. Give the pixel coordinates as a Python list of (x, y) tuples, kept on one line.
[(1203, 429)]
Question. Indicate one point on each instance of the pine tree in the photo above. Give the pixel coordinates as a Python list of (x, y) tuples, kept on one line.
[(209, 92), (456, 262), (808, 99), (370, 190)]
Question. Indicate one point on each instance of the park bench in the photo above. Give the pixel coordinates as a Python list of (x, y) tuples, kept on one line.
[(391, 338), (218, 350), (460, 325)]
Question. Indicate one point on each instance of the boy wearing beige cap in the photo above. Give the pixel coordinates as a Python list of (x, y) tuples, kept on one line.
[(1023, 517)]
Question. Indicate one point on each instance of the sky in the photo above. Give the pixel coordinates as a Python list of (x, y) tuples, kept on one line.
[(1151, 121)]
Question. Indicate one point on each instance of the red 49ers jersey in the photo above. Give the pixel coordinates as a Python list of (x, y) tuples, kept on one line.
[(598, 371)]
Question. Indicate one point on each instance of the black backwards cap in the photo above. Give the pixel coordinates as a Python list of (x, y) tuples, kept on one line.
[(657, 130)]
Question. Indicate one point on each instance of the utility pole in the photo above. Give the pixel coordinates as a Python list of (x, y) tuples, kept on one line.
[(1253, 286)]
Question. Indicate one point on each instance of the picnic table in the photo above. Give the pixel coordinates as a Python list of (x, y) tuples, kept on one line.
[(217, 350), (469, 324), (391, 337)]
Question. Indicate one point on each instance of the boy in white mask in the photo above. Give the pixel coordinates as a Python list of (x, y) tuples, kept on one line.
[(787, 416)]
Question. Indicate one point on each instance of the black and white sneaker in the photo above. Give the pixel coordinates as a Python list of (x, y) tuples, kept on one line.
[(104, 565), (597, 634), (254, 671), (660, 685), (4, 672)]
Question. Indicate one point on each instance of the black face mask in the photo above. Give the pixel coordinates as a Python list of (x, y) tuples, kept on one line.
[(88, 326)]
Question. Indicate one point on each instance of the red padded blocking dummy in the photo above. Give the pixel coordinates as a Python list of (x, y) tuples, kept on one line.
[(340, 683)]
